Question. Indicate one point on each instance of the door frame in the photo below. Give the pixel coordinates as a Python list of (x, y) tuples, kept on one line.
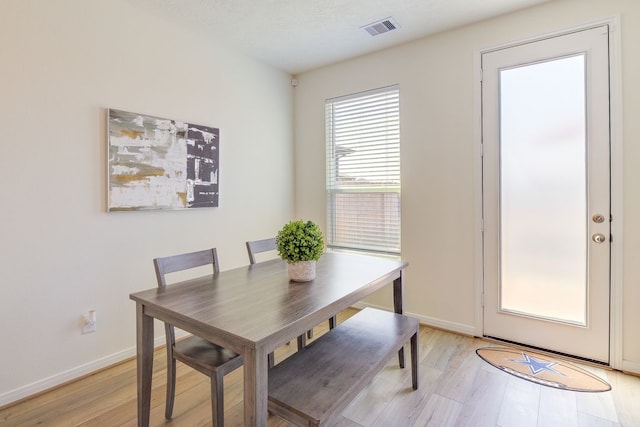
[(615, 93)]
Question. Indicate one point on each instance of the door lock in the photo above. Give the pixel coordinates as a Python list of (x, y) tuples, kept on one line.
[(598, 218)]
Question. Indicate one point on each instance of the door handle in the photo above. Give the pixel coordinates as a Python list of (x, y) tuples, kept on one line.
[(598, 238)]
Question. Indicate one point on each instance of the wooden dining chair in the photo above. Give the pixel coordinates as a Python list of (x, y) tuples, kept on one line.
[(198, 353), (266, 245), (255, 247)]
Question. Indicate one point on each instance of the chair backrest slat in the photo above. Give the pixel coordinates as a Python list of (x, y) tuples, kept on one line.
[(258, 246), (186, 261)]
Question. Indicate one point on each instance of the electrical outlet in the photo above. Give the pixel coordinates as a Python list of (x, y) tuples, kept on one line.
[(89, 322)]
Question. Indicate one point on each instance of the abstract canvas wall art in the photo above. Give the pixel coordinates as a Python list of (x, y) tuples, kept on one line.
[(156, 163)]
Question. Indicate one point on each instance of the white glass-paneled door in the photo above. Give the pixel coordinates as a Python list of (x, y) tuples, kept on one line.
[(546, 193)]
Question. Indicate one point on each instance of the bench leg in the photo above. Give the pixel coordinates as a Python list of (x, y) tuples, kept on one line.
[(414, 361), (217, 399)]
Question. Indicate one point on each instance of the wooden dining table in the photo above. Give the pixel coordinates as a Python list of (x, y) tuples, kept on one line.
[(255, 309)]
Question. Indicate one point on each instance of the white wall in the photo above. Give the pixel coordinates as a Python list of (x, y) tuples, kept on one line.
[(62, 64), (436, 78)]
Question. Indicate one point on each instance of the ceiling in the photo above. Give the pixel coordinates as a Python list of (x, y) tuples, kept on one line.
[(300, 35)]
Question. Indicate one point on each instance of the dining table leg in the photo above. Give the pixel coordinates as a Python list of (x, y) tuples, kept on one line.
[(256, 376), (398, 306), (144, 361)]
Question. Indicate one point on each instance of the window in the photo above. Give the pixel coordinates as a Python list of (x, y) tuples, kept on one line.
[(363, 171)]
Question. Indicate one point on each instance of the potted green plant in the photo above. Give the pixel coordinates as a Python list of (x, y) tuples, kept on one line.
[(300, 244)]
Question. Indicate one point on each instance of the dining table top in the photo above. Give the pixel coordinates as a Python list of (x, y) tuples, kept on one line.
[(258, 304)]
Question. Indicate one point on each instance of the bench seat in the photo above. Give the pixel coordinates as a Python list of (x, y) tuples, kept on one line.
[(313, 386)]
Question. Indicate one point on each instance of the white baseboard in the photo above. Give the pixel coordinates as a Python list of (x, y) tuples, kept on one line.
[(73, 373), (629, 366), (459, 328)]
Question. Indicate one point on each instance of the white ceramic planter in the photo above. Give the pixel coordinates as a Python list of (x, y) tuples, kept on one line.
[(302, 271)]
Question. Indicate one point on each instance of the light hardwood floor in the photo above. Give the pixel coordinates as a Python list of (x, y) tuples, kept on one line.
[(457, 388)]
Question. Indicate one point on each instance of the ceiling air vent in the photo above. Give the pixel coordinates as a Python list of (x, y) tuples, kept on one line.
[(382, 26)]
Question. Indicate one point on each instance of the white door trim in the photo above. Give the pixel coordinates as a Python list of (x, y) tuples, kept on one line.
[(615, 69)]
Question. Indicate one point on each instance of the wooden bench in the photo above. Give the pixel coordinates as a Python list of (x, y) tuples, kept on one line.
[(313, 386)]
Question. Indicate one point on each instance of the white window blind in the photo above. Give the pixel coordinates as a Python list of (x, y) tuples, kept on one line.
[(363, 171)]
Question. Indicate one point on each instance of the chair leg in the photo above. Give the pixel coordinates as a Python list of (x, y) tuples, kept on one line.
[(217, 399), (302, 342), (333, 322), (271, 359), (171, 384), (414, 361)]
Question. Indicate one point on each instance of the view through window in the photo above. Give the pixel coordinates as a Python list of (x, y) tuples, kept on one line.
[(363, 171)]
